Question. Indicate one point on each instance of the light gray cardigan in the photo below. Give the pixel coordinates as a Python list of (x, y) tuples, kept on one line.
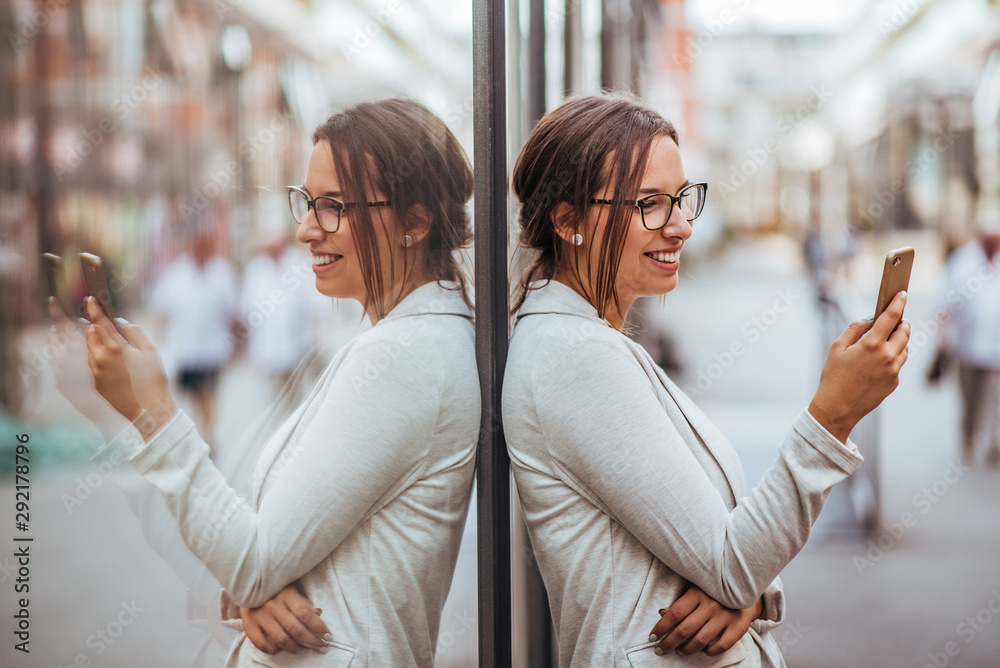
[(361, 497), (629, 492)]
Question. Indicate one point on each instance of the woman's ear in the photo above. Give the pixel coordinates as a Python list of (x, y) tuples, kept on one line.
[(418, 222), (564, 221)]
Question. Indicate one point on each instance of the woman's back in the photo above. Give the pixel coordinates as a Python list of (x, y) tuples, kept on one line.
[(630, 493), (357, 502), (383, 452)]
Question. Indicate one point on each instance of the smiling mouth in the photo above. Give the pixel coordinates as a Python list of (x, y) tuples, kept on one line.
[(665, 257), (325, 258)]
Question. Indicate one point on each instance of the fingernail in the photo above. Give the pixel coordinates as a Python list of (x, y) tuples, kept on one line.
[(652, 637), (661, 611), (324, 650), (122, 321), (658, 651), (903, 292), (327, 637)]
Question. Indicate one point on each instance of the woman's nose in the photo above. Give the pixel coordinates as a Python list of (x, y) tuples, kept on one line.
[(677, 225), (309, 229)]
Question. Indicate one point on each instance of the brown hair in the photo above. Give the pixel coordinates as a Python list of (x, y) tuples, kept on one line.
[(573, 152), (403, 150)]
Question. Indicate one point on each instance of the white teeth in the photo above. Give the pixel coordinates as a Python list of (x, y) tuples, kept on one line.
[(665, 257), (323, 259)]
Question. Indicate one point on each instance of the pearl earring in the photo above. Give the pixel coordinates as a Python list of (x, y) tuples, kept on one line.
[(407, 241), (577, 240)]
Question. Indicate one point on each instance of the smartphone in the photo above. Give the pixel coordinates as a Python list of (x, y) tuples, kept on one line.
[(895, 277), (97, 282), (57, 280)]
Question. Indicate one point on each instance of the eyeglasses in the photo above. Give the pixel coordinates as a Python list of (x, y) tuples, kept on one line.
[(656, 209), (328, 209)]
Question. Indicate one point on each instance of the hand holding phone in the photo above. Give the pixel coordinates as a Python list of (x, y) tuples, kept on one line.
[(97, 282), (895, 277)]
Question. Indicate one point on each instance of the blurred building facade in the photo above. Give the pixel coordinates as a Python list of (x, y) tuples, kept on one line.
[(125, 122), (836, 134)]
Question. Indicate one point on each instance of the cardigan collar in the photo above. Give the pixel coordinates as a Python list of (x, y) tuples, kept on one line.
[(551, 296), (434, 298)]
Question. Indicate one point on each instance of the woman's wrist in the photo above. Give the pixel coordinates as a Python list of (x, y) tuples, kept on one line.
[(145, 424), (148, 424), (839, 426), (131, 412)]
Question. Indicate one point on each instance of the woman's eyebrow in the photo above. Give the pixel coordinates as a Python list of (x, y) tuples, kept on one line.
[(650, 190), (328, 193)]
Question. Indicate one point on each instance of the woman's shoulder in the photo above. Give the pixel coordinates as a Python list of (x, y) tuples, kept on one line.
[(564, 334), (426, 331), (427, 345), (546, 347)]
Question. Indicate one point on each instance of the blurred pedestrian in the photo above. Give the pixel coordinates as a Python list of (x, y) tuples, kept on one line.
[(972, 336), (277, 309), (197, 299)]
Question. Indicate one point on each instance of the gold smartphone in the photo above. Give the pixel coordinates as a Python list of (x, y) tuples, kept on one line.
[(56, 278), (97, 282), (895, 277)]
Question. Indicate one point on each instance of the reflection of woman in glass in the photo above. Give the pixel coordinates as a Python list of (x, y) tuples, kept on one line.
[(360, 498), (634, 501)]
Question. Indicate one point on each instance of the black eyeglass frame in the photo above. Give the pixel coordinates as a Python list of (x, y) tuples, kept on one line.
[(338, 205), (675, 200)]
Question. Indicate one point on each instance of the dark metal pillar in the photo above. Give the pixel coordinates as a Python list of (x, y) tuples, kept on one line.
[(539, 621), (616, 33), (573, 48), (536, 62), (492, 466)]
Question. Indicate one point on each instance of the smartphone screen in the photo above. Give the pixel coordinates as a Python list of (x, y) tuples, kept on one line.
[(57, 280), (895, 277), (97, 282)]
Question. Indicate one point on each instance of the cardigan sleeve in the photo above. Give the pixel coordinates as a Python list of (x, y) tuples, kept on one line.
[(774, 608), (608, 436), (365, 443)]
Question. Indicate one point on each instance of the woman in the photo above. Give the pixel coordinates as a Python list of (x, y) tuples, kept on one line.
[(360, 498), (634, 501)]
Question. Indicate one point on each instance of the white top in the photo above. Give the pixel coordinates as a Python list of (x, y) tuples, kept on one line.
[(973, 302), (629, 492), (361, 496), (199, 305), (277, 307)]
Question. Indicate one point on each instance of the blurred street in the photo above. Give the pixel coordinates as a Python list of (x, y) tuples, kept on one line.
[(896, 601)]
